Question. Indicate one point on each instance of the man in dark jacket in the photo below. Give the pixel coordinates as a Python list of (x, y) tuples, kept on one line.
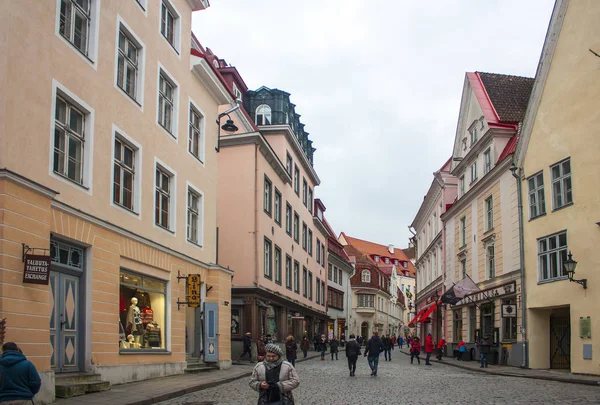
[(247, 346), (352, 353), (485, 348), (387, 347), (373, 348), (19, 380)]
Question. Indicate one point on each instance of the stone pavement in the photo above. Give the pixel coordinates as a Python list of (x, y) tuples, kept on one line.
[(160, 389), (509, 371), (399, 382)]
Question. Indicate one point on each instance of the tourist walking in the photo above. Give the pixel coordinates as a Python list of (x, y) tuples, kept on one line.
[(19, 380), (415, 349), (352, 353), (247, 345), (304, 346), (373, 349), (290, 350), (393, 341), (334, 347), (462, 348), (359, 340), (400, 342), (317, 342), (440, 346), (274, 379), (387, 348), (485, 348), (323, 346), (429, 346)]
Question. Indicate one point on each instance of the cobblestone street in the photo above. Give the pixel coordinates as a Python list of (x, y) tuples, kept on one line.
[(399, 382)]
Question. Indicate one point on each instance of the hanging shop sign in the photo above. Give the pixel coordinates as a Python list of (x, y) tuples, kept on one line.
[(490, 294), (37, 269), (193, 290), (509, 311)]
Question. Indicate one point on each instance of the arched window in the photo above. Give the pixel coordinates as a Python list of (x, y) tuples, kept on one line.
[(263, 115), (366, 276)]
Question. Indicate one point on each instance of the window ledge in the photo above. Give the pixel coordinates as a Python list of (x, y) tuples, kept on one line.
[(563, 207), (489, 230), (129, 210), (164, 229), (129, 96), (267, 212), (196, 244), (537, 216), (552, 280), (63, 177), (145, 351)]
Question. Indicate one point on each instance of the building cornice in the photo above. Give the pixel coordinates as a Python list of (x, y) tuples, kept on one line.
[(292, 140), (256, 138), (209, 80), (319, 224), (6, 174), (198, 5), (479, 147), (479, 186), (429, 203), (60, 206), (281, 299)]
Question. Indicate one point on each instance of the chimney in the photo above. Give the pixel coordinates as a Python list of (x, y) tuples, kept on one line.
[(391, 249)]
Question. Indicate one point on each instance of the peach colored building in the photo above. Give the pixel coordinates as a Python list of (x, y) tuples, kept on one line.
[(271, 228), (482, 233), (108, 166)]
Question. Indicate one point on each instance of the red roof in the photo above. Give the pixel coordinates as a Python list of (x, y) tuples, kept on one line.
[(510, 148)]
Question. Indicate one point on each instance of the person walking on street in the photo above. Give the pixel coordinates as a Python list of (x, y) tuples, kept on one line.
[(323, 346), (387, 348), (400, 342), (429, 346), (334, 347), (352, 353), (274, 379), (317, 342), (359, 340), (415, 350), (260, 349), (373, 349), (462, 348), (440, 346), (393, 341), (485, 348), (304, 346), (19, 380), (247, 346), (290, 350)]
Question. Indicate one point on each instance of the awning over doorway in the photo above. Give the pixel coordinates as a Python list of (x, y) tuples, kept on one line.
[(414, 320), (427, 312)]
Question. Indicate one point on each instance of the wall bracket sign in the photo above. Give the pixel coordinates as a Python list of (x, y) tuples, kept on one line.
[(37, 267)]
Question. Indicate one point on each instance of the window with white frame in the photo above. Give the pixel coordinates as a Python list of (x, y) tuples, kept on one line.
[(487, 161), (124, 174), (537, 198), (169, 24), (366, 276), (288, 272), (288, 218), (330, 272), (461, 186), (463, 231), (296, 227), (304, 192), (335, 275), (304, 281), (474, 172), (296, 180), (263, 115), (323, 293), (194, 216), (310, 285), (162, 198), (489, 213), (75, 23), (296, 277), (310, 200), (340, 276), (277, 265), (323, 256), (142, 4), (166, 102), (552, 254), (268, 265), (318, 292), (69, 140), (473, 133), (318, 251), (310, 245), (236, 92), (128, 61), (196, 134), (304, 236), (490, 261), (463, 267), (366, 300), (267, 196), (562, 193), (277, 206), (289, 163), (509, 324)]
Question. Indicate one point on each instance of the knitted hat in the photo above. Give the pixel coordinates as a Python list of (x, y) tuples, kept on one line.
[(271, 348)]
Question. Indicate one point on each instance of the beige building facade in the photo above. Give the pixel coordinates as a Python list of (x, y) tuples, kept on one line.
[(111, 173), (558, 167), (481, 225)]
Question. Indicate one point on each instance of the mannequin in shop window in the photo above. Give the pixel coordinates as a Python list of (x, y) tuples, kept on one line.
[(134, 323)]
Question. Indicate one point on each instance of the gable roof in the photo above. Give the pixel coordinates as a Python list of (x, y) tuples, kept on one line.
[(509, 94)]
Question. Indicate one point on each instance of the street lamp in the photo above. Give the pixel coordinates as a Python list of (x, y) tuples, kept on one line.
[(570, 266), (229, 126)]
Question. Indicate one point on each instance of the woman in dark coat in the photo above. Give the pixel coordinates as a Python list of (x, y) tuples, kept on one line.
[(334, 345), (290, 350), (304, 346)]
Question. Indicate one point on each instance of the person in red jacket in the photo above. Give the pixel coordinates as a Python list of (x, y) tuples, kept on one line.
[(429, 346), (440, 347), (415, 349)]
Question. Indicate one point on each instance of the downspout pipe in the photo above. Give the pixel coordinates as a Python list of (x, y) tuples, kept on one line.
[(516, 172)]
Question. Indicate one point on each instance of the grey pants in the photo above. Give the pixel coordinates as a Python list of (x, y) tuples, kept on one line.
[(18, 402)]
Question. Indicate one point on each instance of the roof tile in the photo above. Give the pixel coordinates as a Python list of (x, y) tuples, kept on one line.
[(509, 94)]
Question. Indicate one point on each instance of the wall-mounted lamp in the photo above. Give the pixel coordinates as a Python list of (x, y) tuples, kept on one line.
[(229, 126), (570, 266)]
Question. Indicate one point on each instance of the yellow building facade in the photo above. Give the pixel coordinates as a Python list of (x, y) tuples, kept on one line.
[(558, 163)]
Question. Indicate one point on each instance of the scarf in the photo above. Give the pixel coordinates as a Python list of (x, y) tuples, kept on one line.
[(269, 365)]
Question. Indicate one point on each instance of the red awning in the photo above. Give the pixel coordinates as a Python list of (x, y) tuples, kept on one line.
[(414, 320), (427, 312)]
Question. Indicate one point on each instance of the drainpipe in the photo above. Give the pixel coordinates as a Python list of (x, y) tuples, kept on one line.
[(525, 362), (256, 247)]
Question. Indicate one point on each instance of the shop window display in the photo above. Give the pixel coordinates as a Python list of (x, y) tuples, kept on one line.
[(141, 312)]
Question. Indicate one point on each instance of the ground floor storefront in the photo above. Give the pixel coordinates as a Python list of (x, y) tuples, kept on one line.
[(263, 313), (83, 295)]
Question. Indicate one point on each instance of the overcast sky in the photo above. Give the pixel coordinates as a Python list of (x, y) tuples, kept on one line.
[(378, 84)]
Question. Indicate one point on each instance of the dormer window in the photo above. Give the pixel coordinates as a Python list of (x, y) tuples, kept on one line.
[(263, 115), (405, 264), (387, 260), (376, 258), (366, 276), (396, 262), (216, 64), (236, 92)]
